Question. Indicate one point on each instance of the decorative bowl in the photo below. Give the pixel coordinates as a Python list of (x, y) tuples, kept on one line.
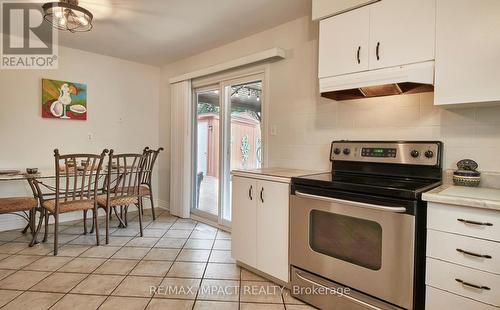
[(471, 181), (467, 175)]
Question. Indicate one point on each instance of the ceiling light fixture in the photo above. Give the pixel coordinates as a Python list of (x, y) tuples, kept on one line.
[(67, 15)]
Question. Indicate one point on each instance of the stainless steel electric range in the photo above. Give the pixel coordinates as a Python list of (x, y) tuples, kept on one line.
[(357, 234)]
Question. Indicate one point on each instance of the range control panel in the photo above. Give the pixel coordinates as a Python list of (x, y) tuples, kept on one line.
[(378, 152), (409, 152)]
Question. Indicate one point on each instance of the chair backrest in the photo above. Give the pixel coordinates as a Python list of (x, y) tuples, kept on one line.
[(124, 173), (77, 176), (149, 162)]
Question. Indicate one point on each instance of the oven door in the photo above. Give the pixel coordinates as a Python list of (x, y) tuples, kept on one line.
[(368, 247)]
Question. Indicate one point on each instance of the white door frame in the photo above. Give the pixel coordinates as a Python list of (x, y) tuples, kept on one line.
[(220, 82), (194, 157)]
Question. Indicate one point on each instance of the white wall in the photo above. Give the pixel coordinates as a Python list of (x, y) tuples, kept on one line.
[(122, 103), (307, 123)]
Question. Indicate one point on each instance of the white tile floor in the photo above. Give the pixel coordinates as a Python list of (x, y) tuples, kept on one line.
[(178, 264)]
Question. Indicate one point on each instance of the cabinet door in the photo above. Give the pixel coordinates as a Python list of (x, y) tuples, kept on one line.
[(439, 300), (467, 52), (340, 39), (244, 220), (403, 30), (272, 229)]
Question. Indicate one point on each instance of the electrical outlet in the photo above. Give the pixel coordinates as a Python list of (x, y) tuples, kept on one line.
[(90, 137), (274, 130)]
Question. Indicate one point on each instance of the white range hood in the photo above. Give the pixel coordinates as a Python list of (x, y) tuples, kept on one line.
[(405, 79)]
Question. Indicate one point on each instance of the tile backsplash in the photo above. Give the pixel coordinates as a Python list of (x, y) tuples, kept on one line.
[(305, 130)]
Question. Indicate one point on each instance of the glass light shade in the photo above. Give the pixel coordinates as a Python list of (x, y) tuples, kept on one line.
[(67, 15)]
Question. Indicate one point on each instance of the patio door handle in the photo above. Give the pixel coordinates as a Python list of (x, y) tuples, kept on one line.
[(250, 190)]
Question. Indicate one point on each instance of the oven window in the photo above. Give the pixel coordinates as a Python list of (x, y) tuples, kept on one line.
[(350, 239)]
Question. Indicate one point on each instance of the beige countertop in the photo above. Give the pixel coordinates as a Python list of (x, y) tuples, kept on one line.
[(477, 197), (274, 173)]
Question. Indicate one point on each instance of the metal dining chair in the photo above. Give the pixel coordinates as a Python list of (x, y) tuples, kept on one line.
[(146, 188), (76, 189), (24, 207), (124, 189)]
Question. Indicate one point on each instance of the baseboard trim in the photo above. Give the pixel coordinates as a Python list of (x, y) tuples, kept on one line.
[(162, 204), (264, 275)]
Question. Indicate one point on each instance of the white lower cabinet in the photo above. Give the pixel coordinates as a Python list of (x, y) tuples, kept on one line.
[(260, 225), (244, 221), (437, 299), (463, 281), (462, 258), (466, 251)]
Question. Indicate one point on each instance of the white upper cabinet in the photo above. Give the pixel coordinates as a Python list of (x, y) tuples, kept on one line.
[(325, 8), (402, 32), (343, 43), (387, 34), (467, 52)]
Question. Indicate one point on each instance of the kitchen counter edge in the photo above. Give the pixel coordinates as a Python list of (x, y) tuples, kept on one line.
[(438, 195), (277, 174)]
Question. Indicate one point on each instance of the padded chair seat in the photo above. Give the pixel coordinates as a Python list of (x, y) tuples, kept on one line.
[(117, 201), (143, 190), (69, 206), (16, 204)]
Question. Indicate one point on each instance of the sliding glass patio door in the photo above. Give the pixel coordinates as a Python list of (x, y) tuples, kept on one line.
[(227, 136), (207, 146)]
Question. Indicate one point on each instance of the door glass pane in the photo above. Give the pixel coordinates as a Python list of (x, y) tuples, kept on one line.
[(207, 152), (350, 239), (246, 135), (244, 129)]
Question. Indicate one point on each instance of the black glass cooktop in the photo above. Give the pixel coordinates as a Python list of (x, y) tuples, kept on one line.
[(410, 188)]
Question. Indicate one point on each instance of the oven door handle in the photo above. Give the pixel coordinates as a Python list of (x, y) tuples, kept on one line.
[(359, 302), (353, 203)]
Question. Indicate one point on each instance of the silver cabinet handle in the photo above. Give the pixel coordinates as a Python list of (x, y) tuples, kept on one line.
[(479, 287), (473, 254), (360, 302), (352, 203)]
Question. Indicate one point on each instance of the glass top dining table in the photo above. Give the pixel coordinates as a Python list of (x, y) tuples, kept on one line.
[(18, 175), (47, 173)]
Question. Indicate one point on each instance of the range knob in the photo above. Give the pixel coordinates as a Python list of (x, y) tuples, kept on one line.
[(336, 151), (415, 153), (429, 154), (347, 151)]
